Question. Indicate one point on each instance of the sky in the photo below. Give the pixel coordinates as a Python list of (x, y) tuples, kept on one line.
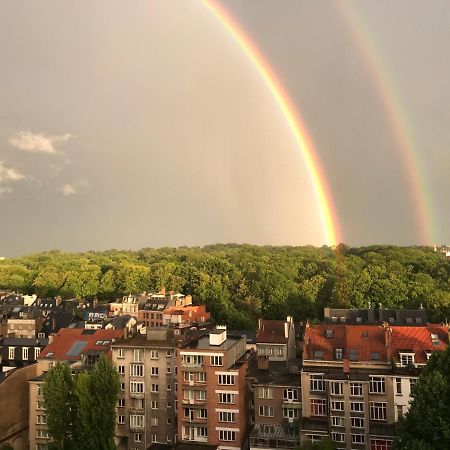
[(143, 124)]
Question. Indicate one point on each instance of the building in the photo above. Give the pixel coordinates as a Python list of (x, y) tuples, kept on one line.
[(356, 380), (146, 412), (275, 379), (75, 346), (212, 391), (19, 352)]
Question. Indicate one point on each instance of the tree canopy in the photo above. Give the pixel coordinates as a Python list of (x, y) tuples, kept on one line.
[(426, 426), (240, 283)]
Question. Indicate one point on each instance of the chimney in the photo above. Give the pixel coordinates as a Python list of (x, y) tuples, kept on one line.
[(58, 300), (305, 353), (388, 339), (286, 329), (326, 313), (346, 367), (163, 291)]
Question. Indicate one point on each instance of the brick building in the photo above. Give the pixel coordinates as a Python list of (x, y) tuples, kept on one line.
[(212, 391)]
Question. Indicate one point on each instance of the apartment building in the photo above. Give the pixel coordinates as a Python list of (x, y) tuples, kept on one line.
[(19, 352), (275, 379), (356, 380), (78, 347), (212, 391), (146, 412)]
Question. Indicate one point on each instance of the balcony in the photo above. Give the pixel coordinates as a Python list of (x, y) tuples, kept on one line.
[(137, 428), (139, 395)]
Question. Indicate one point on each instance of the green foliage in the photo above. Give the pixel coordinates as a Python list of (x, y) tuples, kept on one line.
[(81, 410), (59, 404), (239, 283), (426, 426)]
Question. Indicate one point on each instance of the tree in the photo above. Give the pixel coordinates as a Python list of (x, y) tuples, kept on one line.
[(59, 404), (426, 426), (81, 410)]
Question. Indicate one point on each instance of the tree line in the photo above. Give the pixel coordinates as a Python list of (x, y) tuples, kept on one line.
[(240, 283)]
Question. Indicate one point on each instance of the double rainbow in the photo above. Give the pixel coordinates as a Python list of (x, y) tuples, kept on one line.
[(325, 203)]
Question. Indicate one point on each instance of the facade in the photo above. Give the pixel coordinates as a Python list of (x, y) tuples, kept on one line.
[(212, 391), (356, 380), (275, 380), (19, 352), (146, 412)]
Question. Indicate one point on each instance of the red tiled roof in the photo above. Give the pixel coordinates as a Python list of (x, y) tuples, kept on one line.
[(365, 339), (418, 340), (69, 343), (271, 331)]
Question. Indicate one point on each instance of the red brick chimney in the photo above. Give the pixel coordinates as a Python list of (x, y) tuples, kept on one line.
[(388, 339), (306, 339)]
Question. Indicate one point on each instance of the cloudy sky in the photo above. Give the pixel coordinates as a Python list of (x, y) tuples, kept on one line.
[(125, 125)]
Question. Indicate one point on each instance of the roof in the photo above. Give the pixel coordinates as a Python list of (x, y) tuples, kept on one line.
[(24, 342), (419, 340), (57, 320), (271, 331), (70, 343), (366, 342)]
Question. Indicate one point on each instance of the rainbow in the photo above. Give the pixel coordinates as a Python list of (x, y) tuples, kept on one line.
[(396, 118), (323, 196)]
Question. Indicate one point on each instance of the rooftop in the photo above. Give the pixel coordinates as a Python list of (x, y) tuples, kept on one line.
[(69, 343), (203, 343)]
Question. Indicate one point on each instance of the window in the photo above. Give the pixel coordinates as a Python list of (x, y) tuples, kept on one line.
[(216, 360), (358, 438), (380, 444), (356, 389), (155, 387), (338, 437), (337, 406), (11, 352), (136, 387), (280, 351), (226, 379), (138, 355), (225, 435), (357, 422), (122, 386), (329, 334), (41, 419), (377, 411), (225, 416), (201, 377), (169, 387), (375, 356), (154, 404), (137, 403), (136, 370), (121, 370), (120, 353), (337, 388), (25, 353), (290, 413), (290, 394), (202, 413), (121, 420), (42, 434), (412, 382), (37, 352), (154, 421), (154, 354), (353, 354), (169, 369), (398, 386), (399, 411), (265, 392), (316, 383), (356, 406), (266, 411), (226, 398), (168, 353), (154, 438), (201, 395), (155, 371), (337, 421), (137, 437), (121, 403), (136, 421), (406, 359), (377, 385), (192, 360), (318, 354), (40, 404), (318, 407), (339, 353)]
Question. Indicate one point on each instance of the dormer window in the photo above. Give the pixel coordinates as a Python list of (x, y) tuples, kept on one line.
[(409, 320), (339, 353), (353, 354), (428, 355), (365, 334), (391, 319), (375, 356), (343, 319), (334, 319), (318, 354), (418, 320), (358, 319), (406, 359), (329, 334)]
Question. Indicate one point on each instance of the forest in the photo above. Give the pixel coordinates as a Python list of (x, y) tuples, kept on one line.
[(240, 283)]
